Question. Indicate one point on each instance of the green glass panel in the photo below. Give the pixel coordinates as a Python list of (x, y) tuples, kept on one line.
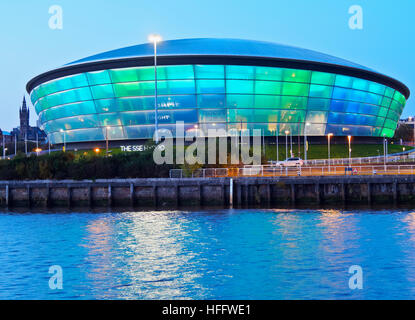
[(320, 91), (393, 115), (98, 77), (268, 87), (175, 72), (211, 101), (382, 112), (391, 124), (386, 102), (210, 86), (380, 121), (323, 78), (107, 105), (293, 103), (239, 86), (124, 75), (395, 106), (294, 75), (240, 101), (261, 115), (389, 133), (360, 84), (399, 97), (267, 101), (240, 72), (134, 89), (295, 89), (210, 72), (268, 73), (238, 115), (102, 92)]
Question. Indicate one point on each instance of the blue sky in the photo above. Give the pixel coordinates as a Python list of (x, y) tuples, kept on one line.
[(30, 47)]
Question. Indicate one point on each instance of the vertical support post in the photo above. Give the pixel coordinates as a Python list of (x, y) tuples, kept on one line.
[(69, 195), (90, 196), (246, 194), (110, 195), (155, 196), (318, 194), (29, 196), (268, 188), (369, 193), (231, 193), (132, 202), (238, 194), (395, 192), (292, 193), (7, 195)]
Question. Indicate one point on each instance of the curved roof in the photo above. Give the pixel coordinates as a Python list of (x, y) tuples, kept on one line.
[(220, 47), (218, 51)]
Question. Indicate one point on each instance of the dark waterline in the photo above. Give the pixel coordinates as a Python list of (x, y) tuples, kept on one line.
[(209, 254)]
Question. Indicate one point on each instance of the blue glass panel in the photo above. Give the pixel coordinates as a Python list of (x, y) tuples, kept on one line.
[(210, 72), (211, 101), (210, 86), (212, 115)]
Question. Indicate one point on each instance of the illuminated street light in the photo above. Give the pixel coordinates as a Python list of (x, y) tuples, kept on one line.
[(305, 140), (155, 38), (106, 139), (350, 150), (286, 143), (64, 139)]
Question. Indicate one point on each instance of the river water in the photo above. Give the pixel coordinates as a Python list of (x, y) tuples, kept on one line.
[(212, 254)]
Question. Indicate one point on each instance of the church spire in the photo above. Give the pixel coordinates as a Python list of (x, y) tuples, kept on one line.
[(24, 107)]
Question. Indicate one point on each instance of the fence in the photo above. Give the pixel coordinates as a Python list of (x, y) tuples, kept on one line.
[(279, 171)]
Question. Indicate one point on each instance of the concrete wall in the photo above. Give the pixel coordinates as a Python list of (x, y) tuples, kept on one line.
[(172, 193)]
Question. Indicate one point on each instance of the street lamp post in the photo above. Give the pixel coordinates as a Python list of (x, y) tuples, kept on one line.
[(4, 147), (277, 138), (286, 143), (305, 140), (350, 150), (291, 144), (154, 38), (384, 151), (328, 146), (49, 142), (64, 140), (106, 139)]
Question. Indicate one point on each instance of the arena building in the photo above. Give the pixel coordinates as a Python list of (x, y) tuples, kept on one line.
[(215, 83)]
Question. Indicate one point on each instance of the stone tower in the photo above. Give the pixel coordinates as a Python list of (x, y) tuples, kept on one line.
[(24, 119)]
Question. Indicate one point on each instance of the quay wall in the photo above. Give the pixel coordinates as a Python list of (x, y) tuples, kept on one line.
[(220, 192)]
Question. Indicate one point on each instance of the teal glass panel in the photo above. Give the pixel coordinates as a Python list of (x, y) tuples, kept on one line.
[(380, 121), (376, 88), (295, 89), (320, 91), (106, 105), (382, 112), (268, 73), (395, 106), (393, 115), (62, 84), (268, 87), (389, 92), (102, 91), (294, 75), (114, 133), (78, 122), (261, 115), (210, 72), (134, 89), (210, 86), (318, 104), (316, 117), (68, 110), (176, 102), (240, 72), (240, 101), (91, 134), (212, 115), (139, 132), (323, 78), (181, 72), (360, 84), (71, 96), (211, 101), (343, 81), (98, 77), (316, 129), (290, 116), (239, 86), (109, 119), (176, 87)]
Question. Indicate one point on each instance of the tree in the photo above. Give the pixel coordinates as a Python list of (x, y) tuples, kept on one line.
[(404, 132)]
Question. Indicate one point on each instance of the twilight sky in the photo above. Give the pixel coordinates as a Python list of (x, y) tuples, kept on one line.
[(30, 47)]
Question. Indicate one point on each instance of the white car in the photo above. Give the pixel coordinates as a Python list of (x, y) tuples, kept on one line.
[(291, 162)]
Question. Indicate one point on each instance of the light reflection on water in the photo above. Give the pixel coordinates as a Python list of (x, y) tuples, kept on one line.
[(223, 254)]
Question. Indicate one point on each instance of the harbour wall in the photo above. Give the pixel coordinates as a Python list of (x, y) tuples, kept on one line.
[(220, 192)]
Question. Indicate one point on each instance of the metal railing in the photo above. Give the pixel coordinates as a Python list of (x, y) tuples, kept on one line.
[(304, 171)]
